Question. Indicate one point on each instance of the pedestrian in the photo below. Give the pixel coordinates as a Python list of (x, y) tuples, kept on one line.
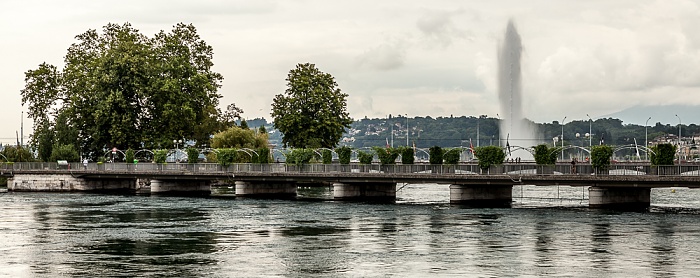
[(85, 163), (573, 165)]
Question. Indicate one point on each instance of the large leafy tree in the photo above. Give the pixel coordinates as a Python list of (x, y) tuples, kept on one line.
[(121, 89), (311, 113)]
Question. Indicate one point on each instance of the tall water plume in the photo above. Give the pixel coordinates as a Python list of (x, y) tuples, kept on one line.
[(516, 130)]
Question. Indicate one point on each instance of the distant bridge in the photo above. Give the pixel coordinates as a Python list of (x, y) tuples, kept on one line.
[(622, 184)]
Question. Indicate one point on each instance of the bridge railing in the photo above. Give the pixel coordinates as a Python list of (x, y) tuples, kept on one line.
[(464, 169)]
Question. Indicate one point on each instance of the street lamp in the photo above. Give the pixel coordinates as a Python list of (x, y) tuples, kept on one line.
[(177, 143), (477, 128), (499, 129), (679, 130), (646, 138), (590, 132), (406, 130), (679, 138), (562, 138)]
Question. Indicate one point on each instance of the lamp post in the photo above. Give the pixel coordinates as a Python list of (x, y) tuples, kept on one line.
[(646, 138), (406, 130), (477, 128), (392, 131), (679, 138), (562, 138), (177, 143), (590, 131), (499, 129)]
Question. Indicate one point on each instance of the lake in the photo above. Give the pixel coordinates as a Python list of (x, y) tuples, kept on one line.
[(548, 232)]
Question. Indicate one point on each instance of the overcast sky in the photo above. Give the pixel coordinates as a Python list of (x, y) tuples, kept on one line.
[(420, 58)]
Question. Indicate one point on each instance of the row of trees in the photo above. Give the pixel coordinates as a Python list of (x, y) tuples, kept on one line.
[(121, 89), (457, 131)]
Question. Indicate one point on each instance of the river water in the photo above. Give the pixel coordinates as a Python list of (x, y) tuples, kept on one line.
[(548, 232)]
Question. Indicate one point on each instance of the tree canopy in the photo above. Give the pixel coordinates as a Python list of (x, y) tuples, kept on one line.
[(311, 113), (121, 89)]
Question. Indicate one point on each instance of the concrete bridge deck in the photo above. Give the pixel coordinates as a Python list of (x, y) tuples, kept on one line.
[(468, 174), (626, 184)]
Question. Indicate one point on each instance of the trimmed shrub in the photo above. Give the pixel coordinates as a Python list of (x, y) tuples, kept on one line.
[(226, 157), (263, 155), (600, 157), (545, 155), (326, 156), (365, 157), (160, 156), (407, 155), (129, 156), (386, 156), (489, 155), (344, 154), (65, 152), (192, 155), (436, 154), (663, 154), (452, 156), (300, 156)]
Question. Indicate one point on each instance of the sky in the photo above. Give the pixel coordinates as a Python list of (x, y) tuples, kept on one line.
[(400, 57)]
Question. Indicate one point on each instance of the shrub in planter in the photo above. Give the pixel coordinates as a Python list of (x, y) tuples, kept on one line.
[(365, 157), (600, 157), (452, 156), (489, 155), (663, 154), (344, 154), (436, 154)]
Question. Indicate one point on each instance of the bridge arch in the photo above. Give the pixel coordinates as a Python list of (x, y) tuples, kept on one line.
[(635, 147), (144, 155)]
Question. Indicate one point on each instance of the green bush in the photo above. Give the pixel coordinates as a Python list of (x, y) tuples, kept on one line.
[(263, 155), (663, 154), (545, 155), (192, 155), (17, 154), (160, 156), (344, 154), (489, 155), (407, 155), (386, 155), (600, 157), (436, 154), (129, 156), (65, 152), (327, 156), (452, 156), (300, 156), (226, 157), (365, 157)]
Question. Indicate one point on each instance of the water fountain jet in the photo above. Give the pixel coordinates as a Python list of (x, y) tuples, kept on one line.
[(514, 126)]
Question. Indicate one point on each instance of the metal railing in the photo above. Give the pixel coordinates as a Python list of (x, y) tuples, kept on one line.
[(464, 169)]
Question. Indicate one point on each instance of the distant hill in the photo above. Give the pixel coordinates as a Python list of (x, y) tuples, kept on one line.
[(663, 113)]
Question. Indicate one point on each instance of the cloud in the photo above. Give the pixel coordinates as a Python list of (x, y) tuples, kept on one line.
[(439, 26), (387, 56)]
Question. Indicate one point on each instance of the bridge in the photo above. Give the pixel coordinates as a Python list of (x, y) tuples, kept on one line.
[(622, 185)]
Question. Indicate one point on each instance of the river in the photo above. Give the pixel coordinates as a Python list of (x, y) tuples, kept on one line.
[(548, 232)]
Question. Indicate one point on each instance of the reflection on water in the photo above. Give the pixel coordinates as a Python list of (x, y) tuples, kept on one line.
[(56, 235)]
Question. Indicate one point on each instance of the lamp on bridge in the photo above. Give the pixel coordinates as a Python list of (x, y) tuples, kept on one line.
[(177, 149)]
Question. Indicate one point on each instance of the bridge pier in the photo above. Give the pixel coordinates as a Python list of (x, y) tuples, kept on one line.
[(280, 190), (189, 187), (374, 192), (66, 183), (481, 196), (633, 198)]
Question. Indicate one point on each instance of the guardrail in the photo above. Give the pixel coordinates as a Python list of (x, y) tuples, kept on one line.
[(466, 169)]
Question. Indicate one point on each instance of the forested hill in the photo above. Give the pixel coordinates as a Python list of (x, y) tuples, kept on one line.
[(426, 132)]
